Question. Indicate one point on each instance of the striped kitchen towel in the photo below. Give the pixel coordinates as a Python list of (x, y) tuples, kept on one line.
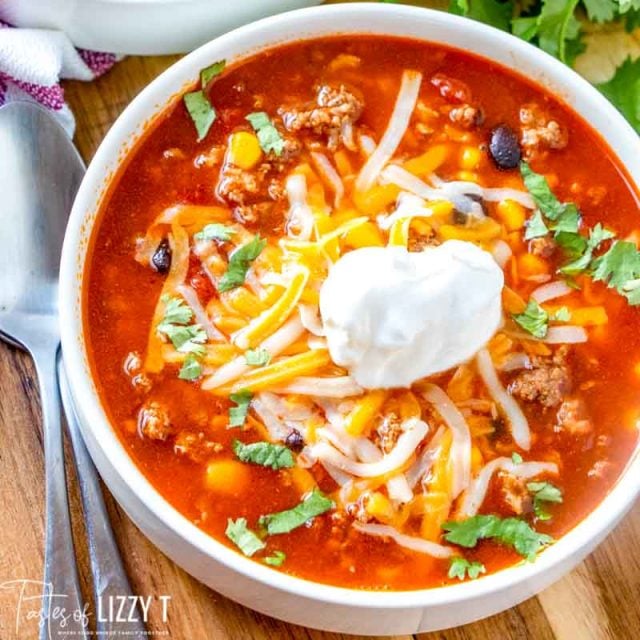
[(33, 61)]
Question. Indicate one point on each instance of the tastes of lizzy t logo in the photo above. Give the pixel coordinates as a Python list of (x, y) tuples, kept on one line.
[(36, 600)]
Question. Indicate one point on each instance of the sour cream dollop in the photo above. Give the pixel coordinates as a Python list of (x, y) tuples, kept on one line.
[(392, 316)]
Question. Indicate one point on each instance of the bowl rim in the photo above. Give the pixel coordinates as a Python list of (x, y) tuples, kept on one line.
[(110, 153)]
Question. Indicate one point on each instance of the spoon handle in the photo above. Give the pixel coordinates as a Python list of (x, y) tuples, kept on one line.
[(62, 606), (110, 582)]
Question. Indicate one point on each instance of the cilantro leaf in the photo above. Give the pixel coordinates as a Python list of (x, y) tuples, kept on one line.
[(268, 136), (175, 310), (516, 458), (543, 492), (558, 27), (533, 319), (265, 454), (585, 249), (601, 10), (215, 231), (238, 414), (245, 539), (623, 90), (185, 338), (541, 193), (493, 12), (239, 264), (210, 72), (536, 228), (461, 568), (619, 266), (512, 532), (191, 368), (276, 558), (257, 357), (314, 504), (200, 111)]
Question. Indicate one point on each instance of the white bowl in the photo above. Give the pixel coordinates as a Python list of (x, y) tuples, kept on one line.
[(254, 585), (142, 27)]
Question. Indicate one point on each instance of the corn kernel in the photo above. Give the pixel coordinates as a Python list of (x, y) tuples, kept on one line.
[(227, 476), (244, 150), (366, 235), (467, 176), (379, 507), (512, 214), (470, 158)]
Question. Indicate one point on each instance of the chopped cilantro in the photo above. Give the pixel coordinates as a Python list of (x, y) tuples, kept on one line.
[(543, 492), (582, 260), (536, 228), (623, 90), (516, 458), (619, 267), (533, 319), (210, 72), (601, 10), (314, 504), (266, 454), (512, 532), (257, 357), (461, 568), (558, 31), (191, 368), (268, 136), (493, 12), (215, 231), (175, 310), (563, 217), (185, 338), (238, 414), (276, 558), (200, 111), (245, 539), (239, 264)]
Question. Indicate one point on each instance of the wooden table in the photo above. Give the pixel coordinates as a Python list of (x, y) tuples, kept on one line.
[(599, 600)]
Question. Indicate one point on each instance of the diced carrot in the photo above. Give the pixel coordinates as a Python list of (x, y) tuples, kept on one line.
[(531, 265), (227, 476), (534, 348), (512, 301), (589, 316)]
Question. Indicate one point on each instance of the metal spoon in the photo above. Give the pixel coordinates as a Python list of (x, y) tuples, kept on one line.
[(40, 171)]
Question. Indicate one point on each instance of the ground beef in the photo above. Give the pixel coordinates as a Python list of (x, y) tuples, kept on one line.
[(572, 418), (195, 446), (539, 131), (546, 382), (543, 247), (515, 494), (466, 116), (419, 242), (388, 432), (332, 115), (358, 510), (153, 422), (236, 185)]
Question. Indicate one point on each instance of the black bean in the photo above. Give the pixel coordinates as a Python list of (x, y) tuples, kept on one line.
[(294, 440), (161, 260), (504, 147)]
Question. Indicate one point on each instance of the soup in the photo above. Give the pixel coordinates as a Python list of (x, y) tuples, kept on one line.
[(355, 307)]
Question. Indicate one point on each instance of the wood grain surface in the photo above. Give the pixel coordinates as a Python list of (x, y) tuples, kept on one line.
[(599, 600)]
